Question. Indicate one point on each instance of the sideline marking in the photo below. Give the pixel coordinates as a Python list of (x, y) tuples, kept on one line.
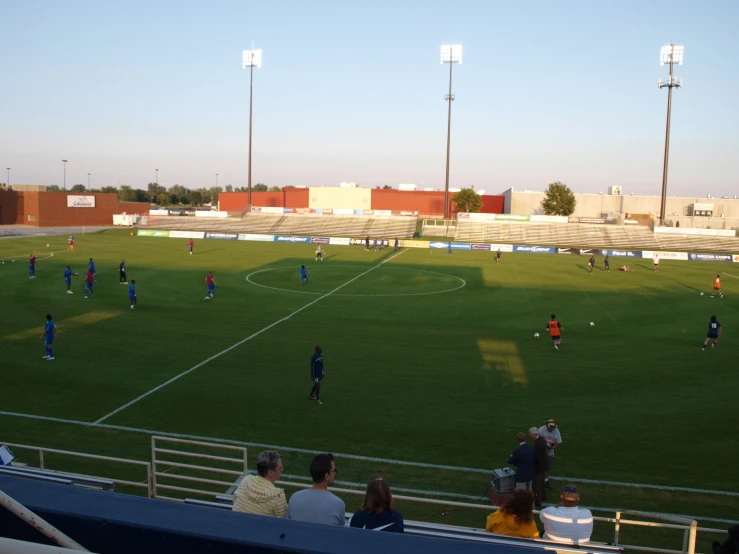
[(69, 323), (730, 275), (351, 456), (464, 283), (242, 341)]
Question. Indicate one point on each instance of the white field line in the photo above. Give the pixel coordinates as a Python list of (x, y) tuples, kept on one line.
[(730, 275), (355, 456), (242, 341)]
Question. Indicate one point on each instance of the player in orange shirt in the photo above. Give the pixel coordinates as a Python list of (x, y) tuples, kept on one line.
[(555, 329), (717, 287)]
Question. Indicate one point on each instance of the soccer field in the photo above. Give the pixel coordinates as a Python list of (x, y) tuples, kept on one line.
[(430, 358)]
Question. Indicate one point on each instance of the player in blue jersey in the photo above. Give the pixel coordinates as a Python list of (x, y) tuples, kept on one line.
[(91, 268), (396, 244), (303, 275), (714, 333), (32, 265), (607, 264), (132, 293), (449, 248), (374, 244), (591, 263), (49, 335), (316, 375), (68, 278)]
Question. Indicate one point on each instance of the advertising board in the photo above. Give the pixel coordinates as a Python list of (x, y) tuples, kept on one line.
[(320, 240), (548, 218), (621, 253), (258, 238), (74, 201), (272, 210), (600, 220), (665, 255), (151, 233), (222, 236), (343, 211), (186, 234), (502, 247), (480, 247), (693, 231), (413, 243), (535, 249), (282, 238), (700, 257), (568, 251), (339, 240)]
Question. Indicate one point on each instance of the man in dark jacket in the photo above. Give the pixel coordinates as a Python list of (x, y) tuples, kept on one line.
[(316, 375), (540, 466), (523, 459)]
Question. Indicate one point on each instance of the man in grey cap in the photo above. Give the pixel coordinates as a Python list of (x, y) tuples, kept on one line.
[(566, 522), (551, 434)]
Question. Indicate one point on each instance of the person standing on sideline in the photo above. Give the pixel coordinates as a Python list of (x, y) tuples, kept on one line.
[(607, 264), (396, 244), (497, 256), (717, 287), (523, 459), (374, 244), (366, 243), (565, 522), (319, 253), (68, 278), (132, 294), (70, 243), (91, 268), (540, 467), (553, 437), (303, 275), (591, 263), (378, 511), (49, 335), (317, 504), (382, 243), (316, 375), (122, 273), (449, 248), (714, 333), (555, 331), (211, 286), (190, 245), (89, 279), (655, 261), (257, 494), (32, 265)]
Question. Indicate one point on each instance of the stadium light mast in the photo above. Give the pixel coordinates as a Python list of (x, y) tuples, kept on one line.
[(451, 54), (668, 55), (88, 181), (216, 180), (65, 174), (8, 183), (251, 58)]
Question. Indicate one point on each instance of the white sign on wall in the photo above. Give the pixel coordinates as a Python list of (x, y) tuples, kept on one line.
[(80, 201)]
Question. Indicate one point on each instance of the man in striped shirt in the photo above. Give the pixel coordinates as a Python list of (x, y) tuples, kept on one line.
[(565, 522)]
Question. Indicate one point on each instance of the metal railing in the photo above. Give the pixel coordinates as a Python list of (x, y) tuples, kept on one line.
[(146, 484)]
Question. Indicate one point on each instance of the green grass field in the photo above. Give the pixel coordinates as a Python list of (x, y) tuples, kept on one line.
[(430, 358)]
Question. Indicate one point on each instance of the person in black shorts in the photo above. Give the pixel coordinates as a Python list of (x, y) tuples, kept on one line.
[(122, 272)]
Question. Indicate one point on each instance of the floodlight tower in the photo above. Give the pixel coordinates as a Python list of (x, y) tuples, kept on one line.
[(668, 55), (251, 58), (65, 174), (8, 183), (451, 54)]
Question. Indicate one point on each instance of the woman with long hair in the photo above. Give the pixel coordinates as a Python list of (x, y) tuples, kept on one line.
[(378, 511), (515, 517)]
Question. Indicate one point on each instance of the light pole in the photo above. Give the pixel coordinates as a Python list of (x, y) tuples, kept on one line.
[(8, 183), (451, 54), (251, 58), (88, 181), (216, 180), (65, 175), (668, 55), (156, 179)]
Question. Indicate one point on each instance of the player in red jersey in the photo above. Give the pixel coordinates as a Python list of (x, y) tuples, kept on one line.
[(717, 287), (190, 245), (211, 286)]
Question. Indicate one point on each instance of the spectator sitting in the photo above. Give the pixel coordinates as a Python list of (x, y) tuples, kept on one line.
[(565, 522), (378, 511), (257, 494), (317, 504), (731, 545), (515, 517)]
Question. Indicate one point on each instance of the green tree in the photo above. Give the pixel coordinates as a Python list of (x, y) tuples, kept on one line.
[(196, 199), (558, 200), (387, 187), (53, 188), (108, 189), (126, 194), (467, 200), (184, 200), (78, 188), (163, 199), (206, 197), (142, 195), (214, 192), (259, 187), (229, 188), (275, 189)]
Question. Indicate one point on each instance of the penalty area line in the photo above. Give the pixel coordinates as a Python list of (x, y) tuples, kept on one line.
[(242, 341), (350, 456)]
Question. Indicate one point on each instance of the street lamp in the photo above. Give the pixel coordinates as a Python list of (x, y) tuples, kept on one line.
[(251, 58), (216, 180), (88, 181), (156, 178), (8, 183), (451, 54), (65, 175), (668, 55)]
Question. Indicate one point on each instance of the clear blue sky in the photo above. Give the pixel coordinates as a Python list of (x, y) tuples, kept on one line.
[(354, 91)]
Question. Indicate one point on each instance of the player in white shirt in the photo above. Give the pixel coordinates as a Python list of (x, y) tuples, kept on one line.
[(319, 253), (655, 261)]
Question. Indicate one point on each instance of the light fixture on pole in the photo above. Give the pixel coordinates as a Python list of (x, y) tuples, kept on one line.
[(251, 58), (451, 54), (216, 180), (668, 55), (65, 175)]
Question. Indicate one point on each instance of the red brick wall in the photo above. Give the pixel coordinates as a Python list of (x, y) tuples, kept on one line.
[(297, 198), (492, 204), (8, 208)]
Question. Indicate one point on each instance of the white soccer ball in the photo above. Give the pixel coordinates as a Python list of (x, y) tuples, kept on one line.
[(701, 294), (13, 261), (592, 324), (536, 335)]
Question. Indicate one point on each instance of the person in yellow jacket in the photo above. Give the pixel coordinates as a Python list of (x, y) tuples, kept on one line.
[(515, 517), (257, 494)]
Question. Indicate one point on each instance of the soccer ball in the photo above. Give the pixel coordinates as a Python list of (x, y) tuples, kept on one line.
[(47, 246), (536, 335), (592, 324), (701, 294)]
